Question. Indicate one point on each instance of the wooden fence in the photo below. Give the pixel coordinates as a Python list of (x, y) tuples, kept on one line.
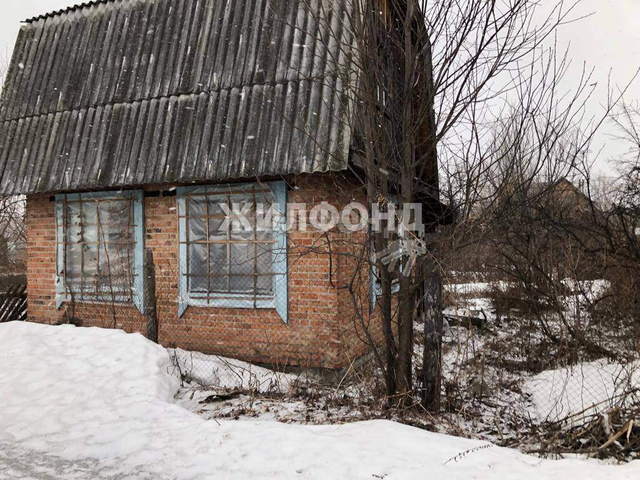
[(13, 304)]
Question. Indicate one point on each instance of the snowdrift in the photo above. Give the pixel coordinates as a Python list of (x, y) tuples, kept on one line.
[(93, 403)]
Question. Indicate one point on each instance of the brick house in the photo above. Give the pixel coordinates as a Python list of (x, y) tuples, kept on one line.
[(128, 124)]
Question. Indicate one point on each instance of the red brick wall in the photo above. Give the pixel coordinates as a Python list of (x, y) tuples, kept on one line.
[(41, 278), (41, 260), (323, 330)]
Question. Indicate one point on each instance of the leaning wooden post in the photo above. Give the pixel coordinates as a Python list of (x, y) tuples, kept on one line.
[(151, 312), (433, 326), (636, 306)]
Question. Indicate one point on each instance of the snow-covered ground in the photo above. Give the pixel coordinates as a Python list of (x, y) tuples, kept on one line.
[(89, 403)]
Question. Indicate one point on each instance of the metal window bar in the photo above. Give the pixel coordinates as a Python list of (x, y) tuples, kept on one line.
[(88, 287), (254, 242)]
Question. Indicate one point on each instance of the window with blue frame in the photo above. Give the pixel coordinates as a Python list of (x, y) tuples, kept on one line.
[(100, 247), (393, 257), (375, 282), (233, 246)]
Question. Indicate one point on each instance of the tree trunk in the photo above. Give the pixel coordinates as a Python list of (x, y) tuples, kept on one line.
[(407, 141), (405, 339), (636, 309), (380, 242), (432, 314)]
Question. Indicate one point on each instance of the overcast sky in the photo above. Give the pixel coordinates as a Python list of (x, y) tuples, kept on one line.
[(608, 40)]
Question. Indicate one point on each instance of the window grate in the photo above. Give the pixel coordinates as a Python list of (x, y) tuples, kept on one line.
[(233, 246), (99, 245)]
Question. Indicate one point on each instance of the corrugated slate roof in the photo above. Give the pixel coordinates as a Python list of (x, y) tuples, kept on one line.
[(130, 92)]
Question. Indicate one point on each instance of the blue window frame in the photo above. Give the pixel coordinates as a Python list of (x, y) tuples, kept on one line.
[(233, 247), (375, 283), (100, 245)]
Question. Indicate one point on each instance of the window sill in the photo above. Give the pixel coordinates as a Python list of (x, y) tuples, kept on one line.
[(232, 302), (239, 302), (105, 300)]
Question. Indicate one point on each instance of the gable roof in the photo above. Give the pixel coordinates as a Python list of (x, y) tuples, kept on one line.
[(116, 93)]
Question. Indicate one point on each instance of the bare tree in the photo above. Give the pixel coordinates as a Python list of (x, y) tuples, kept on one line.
[(12, 210), (467, 91), (619, 229)]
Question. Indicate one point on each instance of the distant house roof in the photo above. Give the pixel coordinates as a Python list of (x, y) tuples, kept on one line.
[(130, 92)]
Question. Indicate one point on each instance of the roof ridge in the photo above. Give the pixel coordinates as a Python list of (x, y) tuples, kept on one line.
[(62, 11)]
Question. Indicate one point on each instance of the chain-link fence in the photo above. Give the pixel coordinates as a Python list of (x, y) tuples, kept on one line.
[(214, 290), (215, 310), (532, 373), (506, 376), (237, 309)]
